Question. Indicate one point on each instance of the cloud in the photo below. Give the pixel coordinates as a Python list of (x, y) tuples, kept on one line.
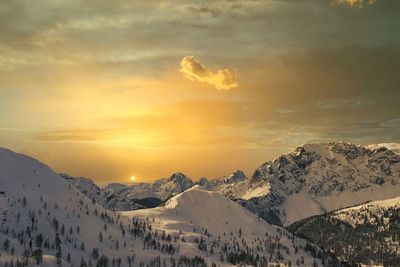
[(83, 135), (223, 79), (356, 3), (205, 10), (343, 104)]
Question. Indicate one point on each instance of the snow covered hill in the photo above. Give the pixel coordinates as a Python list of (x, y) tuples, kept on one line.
[(368, 233), (46, 219), (317, 178), (225, 231)]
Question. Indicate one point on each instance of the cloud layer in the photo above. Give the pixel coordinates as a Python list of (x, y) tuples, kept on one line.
[(223, 79), (356, 3), (87, 78)]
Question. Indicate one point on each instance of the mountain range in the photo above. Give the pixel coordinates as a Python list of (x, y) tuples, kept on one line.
[(47, 221), (323, 177), (122, 197), (333, 198)]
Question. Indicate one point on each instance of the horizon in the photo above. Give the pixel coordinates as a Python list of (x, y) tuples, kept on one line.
[(248, 175), (147, 89)]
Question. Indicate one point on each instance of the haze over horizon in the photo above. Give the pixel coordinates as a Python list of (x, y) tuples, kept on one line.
[(148, 88)]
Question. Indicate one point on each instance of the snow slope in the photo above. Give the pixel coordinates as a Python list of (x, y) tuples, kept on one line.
[(35, 201)]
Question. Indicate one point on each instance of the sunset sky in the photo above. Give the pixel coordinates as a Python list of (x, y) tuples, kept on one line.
[(112, 89)]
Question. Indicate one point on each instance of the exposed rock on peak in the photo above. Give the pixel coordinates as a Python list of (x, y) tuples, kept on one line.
[(181, 182), (235, 177)]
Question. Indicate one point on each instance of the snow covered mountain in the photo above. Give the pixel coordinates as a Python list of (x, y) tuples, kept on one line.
[(46, 220), (320, 177), (368, 233)]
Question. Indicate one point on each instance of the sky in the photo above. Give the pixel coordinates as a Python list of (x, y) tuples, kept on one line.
[(109, 90)]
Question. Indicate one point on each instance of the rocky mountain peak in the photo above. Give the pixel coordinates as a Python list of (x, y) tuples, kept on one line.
[(181, 180), (350, 151), (203, 181), (235, 177)]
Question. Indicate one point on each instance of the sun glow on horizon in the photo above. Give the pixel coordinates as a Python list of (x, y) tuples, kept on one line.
[(133, 178)]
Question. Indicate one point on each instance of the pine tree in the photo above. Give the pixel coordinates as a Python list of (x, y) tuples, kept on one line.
[(95, 253), (6, 244), (83, 263), (38, 255), (25, 256), (58, 256), (100, 236)]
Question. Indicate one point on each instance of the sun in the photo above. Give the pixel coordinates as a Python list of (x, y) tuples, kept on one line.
[(133, 178)]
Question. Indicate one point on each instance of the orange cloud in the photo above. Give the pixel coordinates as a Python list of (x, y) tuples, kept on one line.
[(223, 79), (72, 135), (356, 3)]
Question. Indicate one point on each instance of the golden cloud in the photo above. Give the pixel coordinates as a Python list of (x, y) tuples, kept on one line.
[(356, 3), (83, 135), (223, 79)]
